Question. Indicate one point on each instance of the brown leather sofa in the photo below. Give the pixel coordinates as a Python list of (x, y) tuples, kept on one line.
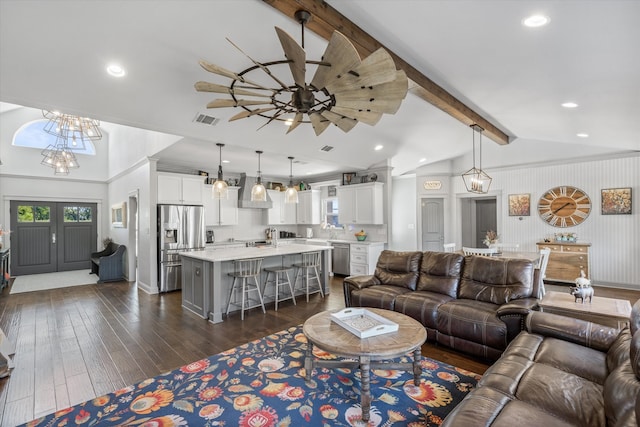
[(560, 372), (472, 304)]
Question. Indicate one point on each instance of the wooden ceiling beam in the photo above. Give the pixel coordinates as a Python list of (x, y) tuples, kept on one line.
[(325, 20)]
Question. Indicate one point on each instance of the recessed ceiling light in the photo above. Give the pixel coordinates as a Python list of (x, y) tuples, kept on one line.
[(535, 21), (422, 160), (115, 70), (582, 135), (378, 147), (569, 104), (226, 161)]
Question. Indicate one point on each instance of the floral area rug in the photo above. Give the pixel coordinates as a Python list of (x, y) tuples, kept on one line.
[(261, 384)]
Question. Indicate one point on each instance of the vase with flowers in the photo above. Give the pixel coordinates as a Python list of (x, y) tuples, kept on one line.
[(3, 232), (490, 238)]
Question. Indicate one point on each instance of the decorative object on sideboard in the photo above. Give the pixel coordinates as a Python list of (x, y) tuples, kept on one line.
[(616, 201), (490, 238), (345, 90), (566, 237), (475, 179), (220, 189), (361, 235)]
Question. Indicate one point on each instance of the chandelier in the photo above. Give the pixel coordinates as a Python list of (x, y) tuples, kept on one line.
[(475, 179), (75, 129), (59, 157), (344, 90), (258, 191)]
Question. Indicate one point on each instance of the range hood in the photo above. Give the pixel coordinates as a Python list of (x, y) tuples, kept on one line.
[(244, 194)]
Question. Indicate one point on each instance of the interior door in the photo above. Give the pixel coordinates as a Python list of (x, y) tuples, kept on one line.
[(486, 219), (432, 224), (52, 236)]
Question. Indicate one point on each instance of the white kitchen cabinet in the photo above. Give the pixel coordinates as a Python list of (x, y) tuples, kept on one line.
[(360, 203), (177, 189), (364, 257), (309, 208), (281, 212), (220, 211)]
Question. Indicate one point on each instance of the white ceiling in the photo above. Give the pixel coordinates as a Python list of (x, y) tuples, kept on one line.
[(53, 55)]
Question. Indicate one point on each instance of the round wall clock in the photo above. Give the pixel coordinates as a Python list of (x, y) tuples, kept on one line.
[(564, 206)]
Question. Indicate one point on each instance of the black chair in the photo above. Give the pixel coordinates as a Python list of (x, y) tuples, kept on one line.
[(108, 264)]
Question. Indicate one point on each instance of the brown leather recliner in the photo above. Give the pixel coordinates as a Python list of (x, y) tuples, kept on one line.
[(473, 304), (560, 372)]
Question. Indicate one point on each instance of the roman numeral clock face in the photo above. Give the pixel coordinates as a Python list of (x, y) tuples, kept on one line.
[(564, 206)]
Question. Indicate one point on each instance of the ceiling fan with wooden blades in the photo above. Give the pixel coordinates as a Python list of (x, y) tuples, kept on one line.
[(344, 90)]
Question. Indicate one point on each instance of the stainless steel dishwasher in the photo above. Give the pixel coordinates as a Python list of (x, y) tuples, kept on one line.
[(340, 258)]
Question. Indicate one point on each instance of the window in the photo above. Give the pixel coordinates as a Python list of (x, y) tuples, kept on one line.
[(77, 214), (27, 213), (32, 135), (330, 207)]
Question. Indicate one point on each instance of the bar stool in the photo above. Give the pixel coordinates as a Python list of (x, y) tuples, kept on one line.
[(244, 269), (307, 270), (280, 277)]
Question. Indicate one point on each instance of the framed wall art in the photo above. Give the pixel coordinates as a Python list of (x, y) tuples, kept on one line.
[(519, 204), (616, 201), (349, 178), (119, 215)]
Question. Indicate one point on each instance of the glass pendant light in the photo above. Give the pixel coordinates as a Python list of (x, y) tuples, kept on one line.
[(258, 192), (291, 195), (220, 189)]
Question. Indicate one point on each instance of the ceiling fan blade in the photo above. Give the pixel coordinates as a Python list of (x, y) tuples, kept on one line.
[(383, 98), (244, 114), (216, 88), (342, 56), (319, 123), (375, 69), (262, 67), (296, 121), (344, 123), (222, 103), (215, 69), (368, 117), (294, 53)]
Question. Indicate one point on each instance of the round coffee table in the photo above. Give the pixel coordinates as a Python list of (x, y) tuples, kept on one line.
[(370, 352)]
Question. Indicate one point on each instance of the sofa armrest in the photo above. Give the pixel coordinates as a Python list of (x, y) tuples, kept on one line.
[(353, 283), (577, 331), (513, 314)]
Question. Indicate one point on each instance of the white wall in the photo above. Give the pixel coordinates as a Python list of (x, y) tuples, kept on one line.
[(615, 239), (404, 235)]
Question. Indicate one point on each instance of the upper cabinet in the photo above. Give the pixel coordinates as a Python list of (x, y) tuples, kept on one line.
[(281, 212), (177, 189), (360, 203), (220, 211), (309, 207)]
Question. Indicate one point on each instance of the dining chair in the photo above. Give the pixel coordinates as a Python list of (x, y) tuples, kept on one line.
[(505, 247), (479, 251), (449, 247), (542, 266)]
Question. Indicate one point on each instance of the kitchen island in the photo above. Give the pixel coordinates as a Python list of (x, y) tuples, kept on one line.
[(205, 274)]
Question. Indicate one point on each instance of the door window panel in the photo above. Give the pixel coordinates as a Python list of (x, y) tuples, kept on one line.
[(84, 214), (42, 213), (70, 214), (25, 213)]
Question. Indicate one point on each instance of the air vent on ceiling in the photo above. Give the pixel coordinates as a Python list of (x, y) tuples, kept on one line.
[(205, 119), (326, 148)]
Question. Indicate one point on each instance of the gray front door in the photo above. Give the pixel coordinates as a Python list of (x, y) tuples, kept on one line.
[(52, 236), (485, 219), (432, 224)]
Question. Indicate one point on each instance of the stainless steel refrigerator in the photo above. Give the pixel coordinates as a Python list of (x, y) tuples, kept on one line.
[(180, 229)]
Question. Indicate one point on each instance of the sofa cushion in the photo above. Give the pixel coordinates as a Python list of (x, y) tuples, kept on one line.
[(620, 392), (380, 296), (398, 268), (440, 272), (496, 280), (422, 306), (474, 321)]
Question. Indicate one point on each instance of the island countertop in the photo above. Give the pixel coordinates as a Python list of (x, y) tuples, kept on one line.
[(217, 255)]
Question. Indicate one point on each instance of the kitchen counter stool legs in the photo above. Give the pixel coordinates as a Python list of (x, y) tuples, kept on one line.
[(244, 270), (280, 278), (308, 271)]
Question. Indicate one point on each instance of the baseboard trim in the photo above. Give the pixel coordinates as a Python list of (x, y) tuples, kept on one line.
[(147, 288)]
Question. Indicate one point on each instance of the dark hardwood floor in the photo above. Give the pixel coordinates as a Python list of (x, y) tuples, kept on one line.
[(74, 344)]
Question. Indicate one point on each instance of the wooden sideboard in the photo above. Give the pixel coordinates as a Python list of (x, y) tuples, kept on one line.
[(566, 260)]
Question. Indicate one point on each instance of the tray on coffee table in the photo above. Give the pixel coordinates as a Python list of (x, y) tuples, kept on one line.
[(363, 323)]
